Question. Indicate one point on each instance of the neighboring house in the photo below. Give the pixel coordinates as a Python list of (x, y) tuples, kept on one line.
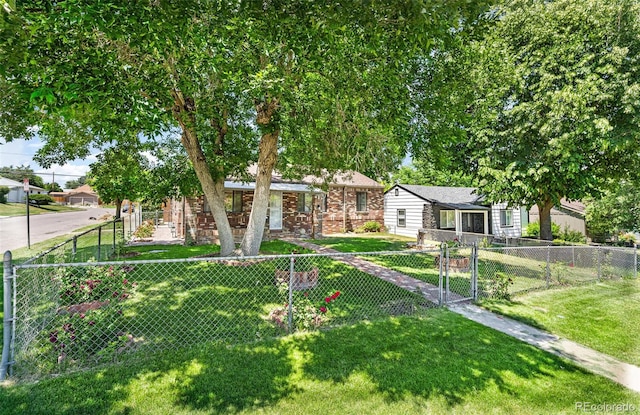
[(83, 195), (569, 215), (296, 208), (408, 208), (16, 190)]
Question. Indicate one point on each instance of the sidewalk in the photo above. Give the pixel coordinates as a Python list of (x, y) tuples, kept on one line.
[(599, 363), (161, 236)]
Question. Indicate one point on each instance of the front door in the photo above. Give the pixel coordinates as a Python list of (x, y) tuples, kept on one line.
[(275, 210)]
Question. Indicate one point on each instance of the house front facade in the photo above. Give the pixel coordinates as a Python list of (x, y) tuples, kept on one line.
[(410, 208), (296, 208), (17, 193)]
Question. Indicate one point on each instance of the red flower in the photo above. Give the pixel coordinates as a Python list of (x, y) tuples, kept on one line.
[(327, 300), (323, 309), (335, 295)]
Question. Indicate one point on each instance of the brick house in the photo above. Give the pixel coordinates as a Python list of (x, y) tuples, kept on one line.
[(296, 208)]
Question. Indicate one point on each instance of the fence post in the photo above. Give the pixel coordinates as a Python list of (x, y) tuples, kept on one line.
[(74, 249), (7, 276), (446, 274), (440, 279), (635, 261), (99, 241), (548, 267), (291, 279), (113, 243), (474, 271), (599, 274)]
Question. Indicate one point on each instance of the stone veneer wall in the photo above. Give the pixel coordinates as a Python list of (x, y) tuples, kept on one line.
[(338, 220), (429, 217)]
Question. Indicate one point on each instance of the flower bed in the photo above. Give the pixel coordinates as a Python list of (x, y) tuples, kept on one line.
[(456, 263)]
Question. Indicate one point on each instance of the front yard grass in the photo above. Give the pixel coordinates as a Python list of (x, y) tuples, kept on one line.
[(366, 242), (603, 316), (440, 363), (20, 209)]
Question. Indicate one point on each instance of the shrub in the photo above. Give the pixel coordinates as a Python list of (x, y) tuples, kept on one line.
[(498, 286), (4, 190), (533, 229), (41, 199), (145, 230), (371, 226), (570, 235)]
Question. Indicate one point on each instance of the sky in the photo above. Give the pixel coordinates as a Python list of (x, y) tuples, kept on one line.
[(20, 153)]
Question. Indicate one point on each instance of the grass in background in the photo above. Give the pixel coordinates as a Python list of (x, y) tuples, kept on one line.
[(369, 242), (20, 209), (437, 364), (603, 316)]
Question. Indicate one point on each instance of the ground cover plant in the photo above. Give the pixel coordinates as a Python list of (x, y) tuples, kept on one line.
[(599, 315), (440, 363)]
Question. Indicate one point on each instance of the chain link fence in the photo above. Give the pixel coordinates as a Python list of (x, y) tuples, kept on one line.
[(71, 316), (101, 243)]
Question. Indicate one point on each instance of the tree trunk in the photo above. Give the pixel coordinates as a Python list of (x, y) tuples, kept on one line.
[(544, 209), (118, 208), (267, 158), (213, 189)]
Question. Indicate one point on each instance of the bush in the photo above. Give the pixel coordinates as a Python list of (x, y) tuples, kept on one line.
[(570, 235), (4, 190), (145, 230), (370, 226), (533, 229), (41, 199)]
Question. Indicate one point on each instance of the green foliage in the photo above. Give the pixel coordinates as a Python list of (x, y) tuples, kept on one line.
[(18, 173), (4, 191), (498, 286), (41, 199), (558, 101), (75, 183), (371, 226), (533, 229), (426, 172), (89, 323), (306, 315), (618, 210), (53, 187)]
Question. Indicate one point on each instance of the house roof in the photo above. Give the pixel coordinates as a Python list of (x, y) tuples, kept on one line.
[(462, 198), (12, 183), (574, 206), (348, 179), (85, 188)]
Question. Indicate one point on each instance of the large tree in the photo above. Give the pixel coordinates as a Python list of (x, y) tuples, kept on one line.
[(314, 85), (558, 106), (120, 173), (18, 173), (618, 210)]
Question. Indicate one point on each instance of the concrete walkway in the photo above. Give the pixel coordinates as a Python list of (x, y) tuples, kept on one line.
[(429, 291), (161, 236), (599, 363)]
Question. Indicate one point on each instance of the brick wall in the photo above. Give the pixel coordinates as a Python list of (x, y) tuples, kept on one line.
[(339, 219)]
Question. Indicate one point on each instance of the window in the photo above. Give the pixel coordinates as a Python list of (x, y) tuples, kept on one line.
[(361, 201), (402, 218), (233, 201), (506, 218), (305, 202), (447, 219)]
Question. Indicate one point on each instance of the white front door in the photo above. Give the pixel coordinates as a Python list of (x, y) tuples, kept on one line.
[(275, 210)]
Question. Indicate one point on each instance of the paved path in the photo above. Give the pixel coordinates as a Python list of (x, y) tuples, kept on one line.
[(623, 373), (429, 291), (596, 362)]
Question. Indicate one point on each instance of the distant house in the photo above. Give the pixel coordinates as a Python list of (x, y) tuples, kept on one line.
[(409, 208), (296, 208), (83, 195), (569, 215), (16, 190)]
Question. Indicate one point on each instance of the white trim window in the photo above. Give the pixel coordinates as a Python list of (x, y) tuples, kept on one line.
[(402, 218), (506, 218), (304, 202), (361, 201), (447, 219)]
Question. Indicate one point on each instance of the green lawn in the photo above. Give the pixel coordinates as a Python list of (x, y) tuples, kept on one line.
[(437, 364), (603, 316), (367, 242), (20, 209)]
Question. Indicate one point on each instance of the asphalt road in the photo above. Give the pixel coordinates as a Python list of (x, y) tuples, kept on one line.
[(13, 230)]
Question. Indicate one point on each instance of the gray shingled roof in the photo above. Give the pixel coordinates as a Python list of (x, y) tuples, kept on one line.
[(445, 195)]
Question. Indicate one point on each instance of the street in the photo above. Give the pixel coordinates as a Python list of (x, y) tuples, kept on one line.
[(13, 230)]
